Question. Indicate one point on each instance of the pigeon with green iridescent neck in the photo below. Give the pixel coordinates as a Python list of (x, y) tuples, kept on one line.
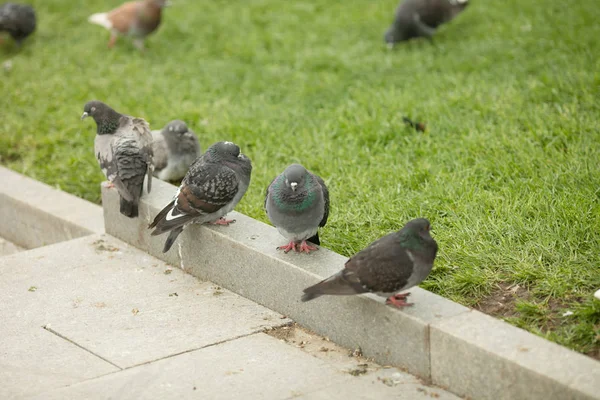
[(297, 203), (123, 147), (388, 266)]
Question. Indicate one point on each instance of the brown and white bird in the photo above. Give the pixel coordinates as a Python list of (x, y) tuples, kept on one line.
[(421, 18), (123, 147), (137, 19), (388, 266)]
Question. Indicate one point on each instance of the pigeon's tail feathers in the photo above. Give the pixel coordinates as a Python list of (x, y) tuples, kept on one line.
[(315, 239), (171, 239), (101, 19), (168, 219), (339, 284), (129, 208)]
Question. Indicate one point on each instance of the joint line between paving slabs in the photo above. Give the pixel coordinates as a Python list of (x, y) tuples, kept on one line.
[(46, 327)]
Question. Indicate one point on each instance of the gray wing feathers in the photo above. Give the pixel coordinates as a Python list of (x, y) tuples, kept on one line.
[(325, 201)]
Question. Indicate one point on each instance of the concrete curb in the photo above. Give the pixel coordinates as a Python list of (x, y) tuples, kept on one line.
[(34, 214), (462, 350)]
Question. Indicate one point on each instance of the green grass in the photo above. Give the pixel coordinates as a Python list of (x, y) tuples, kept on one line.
[(508, 171)]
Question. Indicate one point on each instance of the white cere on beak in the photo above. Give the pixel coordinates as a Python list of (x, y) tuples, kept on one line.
[(293, 185), (84, 115)]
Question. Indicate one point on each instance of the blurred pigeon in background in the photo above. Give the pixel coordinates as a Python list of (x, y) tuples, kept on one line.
[(391, 264), (18, 20), (175, 149), (297, 204), (137, 19), (421, 18), (123, 147), (213, 186)]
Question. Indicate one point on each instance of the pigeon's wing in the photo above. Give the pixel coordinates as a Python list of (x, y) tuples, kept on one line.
[(204, 191), (124, 17), (105, 154), (131, 165), (384, 266), (325, 200), (142, 131), (268, 190), (159, 148)]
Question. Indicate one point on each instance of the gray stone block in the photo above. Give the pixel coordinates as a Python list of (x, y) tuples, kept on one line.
[(243, 258), (479, 356), (34, 214)]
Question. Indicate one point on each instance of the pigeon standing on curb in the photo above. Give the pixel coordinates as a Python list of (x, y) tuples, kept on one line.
[(297, 204), (389, 265), (175, 149), (421, 18), (18, 20), (123, 147), (213, 186), (137, 19)]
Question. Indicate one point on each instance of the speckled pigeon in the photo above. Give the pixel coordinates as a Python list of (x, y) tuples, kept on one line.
[(389, 265), (212, 187), (18, 20), (421, 18), (137, 19), (123, 147), (175, 149), (297, 203)]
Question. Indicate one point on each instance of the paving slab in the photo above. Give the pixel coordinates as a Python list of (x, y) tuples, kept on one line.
[(517, 364), (243, 258), (7, 248), (34, 214), (35, 360), (119, 304), (253, 367)]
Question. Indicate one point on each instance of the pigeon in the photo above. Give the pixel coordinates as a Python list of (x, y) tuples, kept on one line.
[(175, 149), (18, 20), (297, 203), (421, 18), (123, 147), (137, 19), (389, 265), (212, 187)]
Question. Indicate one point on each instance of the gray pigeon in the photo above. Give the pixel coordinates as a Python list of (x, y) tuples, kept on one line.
[(18, 20), (421, 18), (391, 264), (297, 203), (212, 187), (175, 149), (123, 147)]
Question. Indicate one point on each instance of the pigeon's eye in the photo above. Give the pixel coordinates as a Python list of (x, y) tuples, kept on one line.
[(170, 129), (93, 109)]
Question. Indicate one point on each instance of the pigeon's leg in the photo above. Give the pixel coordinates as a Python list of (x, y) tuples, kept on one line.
[(307, 248), (112, 40), (139, 44), (108, 184), (290, 246), (223, 221), (399, 300)]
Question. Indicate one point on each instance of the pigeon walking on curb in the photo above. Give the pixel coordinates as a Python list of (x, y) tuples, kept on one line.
[(137, 19), (421, 18), (123, 147), (389, 265), (213, 186), (175, 149), (18, 20), (297, 204)]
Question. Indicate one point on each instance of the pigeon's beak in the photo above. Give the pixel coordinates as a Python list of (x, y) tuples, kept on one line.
[(293, 185), (84, 115)]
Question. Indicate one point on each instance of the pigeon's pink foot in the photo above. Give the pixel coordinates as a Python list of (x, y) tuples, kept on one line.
[(307, 248), (290, 246), (398, 300), (108, 184), (111, 42), (223, 221)]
